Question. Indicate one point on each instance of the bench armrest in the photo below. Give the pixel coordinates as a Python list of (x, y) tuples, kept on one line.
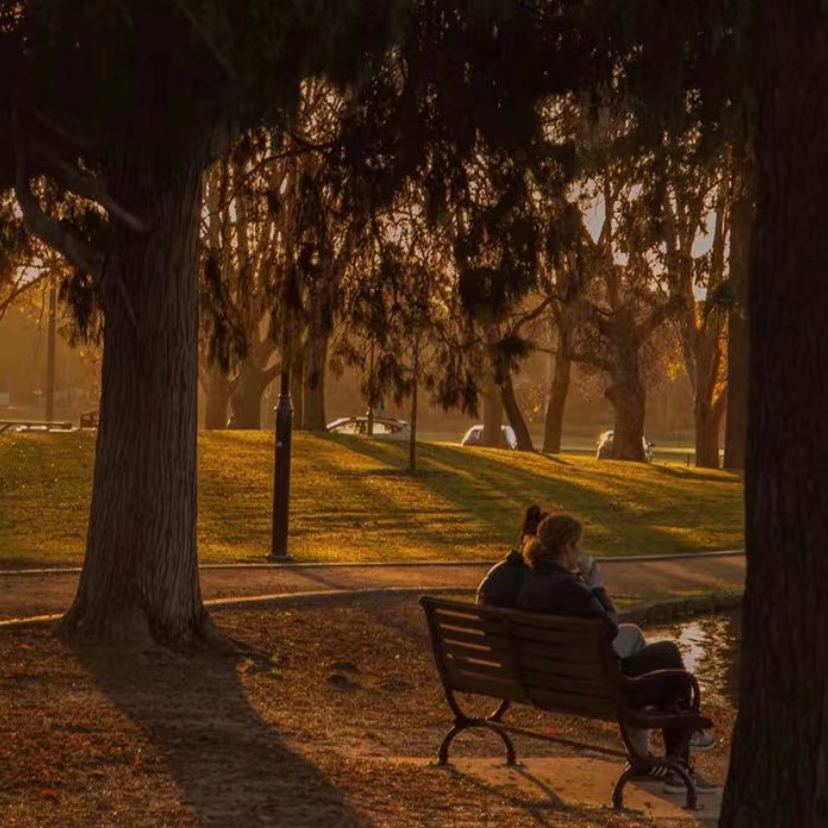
[(633, 683)]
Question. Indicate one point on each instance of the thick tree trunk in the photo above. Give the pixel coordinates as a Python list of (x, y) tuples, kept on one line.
[(246, 401), (708, 407), (140, 576), (558, 392), (628, 399), (317, 355), (708, 421), (217, 391), (492, 420), (515, 416), (779, 762), (737, 336)]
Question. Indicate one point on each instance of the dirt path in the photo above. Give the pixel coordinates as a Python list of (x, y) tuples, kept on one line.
[(634, 580)]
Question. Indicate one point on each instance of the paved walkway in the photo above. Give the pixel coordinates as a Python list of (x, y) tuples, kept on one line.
[(633, 580)]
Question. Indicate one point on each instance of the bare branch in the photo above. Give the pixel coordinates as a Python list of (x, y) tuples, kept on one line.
[(20, 288)]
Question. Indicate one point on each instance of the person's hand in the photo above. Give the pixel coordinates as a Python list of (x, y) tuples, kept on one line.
[(595, 579), (589, 569)]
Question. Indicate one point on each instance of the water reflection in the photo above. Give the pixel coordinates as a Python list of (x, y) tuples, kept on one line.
[(710, 647)]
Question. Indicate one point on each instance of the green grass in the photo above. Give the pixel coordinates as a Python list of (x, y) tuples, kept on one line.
[(352, 499)]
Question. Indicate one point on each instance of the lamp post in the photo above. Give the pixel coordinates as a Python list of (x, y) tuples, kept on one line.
[(281, 471)]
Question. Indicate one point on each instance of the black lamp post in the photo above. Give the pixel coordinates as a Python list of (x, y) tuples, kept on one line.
[(281, 471)]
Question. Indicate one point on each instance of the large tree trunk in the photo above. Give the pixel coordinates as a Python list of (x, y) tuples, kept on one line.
[(492, 419), (628, 400), (317, 354), (558, 392), (708, 408), (737, 335), (708, 421), (515, 415), (628, 397), (779, 757), (246, 402), (140, 575), (217, 389)]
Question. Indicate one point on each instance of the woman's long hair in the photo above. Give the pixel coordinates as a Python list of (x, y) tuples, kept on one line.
[(554, 534), (531, 520)]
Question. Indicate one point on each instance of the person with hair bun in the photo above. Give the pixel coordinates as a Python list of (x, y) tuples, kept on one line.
[(564, 580), (505, 579)]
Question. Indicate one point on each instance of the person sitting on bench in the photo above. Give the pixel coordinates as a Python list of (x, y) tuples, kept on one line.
[(556, 585), (505, 579)]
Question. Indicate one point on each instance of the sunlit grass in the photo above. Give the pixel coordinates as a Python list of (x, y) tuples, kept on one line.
[(352, 499)]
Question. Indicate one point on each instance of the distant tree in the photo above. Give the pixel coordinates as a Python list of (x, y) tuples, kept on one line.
[(625, 307), (685, 196)]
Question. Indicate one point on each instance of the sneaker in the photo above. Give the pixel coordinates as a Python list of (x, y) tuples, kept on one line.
[(673, 783), (702, 740)]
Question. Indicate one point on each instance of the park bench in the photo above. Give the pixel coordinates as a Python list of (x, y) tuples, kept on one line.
[(5, 425), (552, 663)]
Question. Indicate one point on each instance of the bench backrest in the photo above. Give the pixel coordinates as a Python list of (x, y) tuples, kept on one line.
[(561, 664)]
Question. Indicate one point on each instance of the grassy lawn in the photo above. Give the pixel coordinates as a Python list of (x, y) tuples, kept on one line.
[(352, 499)]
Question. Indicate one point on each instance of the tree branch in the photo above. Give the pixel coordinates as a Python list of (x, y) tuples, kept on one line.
[(84, 185), (57, 234)]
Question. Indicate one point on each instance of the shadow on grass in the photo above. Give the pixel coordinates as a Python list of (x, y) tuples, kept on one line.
[(490, 494), (230, 766)]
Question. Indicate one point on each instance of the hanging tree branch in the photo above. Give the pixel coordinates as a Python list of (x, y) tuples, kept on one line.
[(83, 184), (55, 233)]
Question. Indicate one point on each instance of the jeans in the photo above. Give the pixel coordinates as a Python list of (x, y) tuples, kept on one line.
[(661, 655)]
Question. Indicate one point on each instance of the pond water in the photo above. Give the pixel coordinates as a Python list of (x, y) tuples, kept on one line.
[(710, 647)]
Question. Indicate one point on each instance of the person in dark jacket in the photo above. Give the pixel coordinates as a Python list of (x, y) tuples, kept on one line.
[(556, 584), (505, 579)]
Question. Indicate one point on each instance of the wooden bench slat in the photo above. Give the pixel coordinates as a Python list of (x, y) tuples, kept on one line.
[(585, 641), (502, 672), (462, 650), (573, 705), (567, 683), (486, 686)]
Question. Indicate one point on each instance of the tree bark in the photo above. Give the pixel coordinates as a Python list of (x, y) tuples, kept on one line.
[(737, 335), (217, 391), (628, 399), (492, 420), (558, 392), (708, 421), (708, 406), (317, 354), (139, 582), (515, 415), (246, 401), (779, 762)]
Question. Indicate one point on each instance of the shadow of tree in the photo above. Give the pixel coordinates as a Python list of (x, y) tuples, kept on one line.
[(231, 766), (466, 478)]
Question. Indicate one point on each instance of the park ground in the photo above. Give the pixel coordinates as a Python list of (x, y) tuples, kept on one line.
[(353, 499), (337, 726)]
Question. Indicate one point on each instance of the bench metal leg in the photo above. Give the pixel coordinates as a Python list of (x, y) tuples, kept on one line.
[(639, 771), (461, 724)]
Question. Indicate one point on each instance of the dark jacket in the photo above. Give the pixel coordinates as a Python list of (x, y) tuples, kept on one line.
[(555, 590), (503, 582)]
